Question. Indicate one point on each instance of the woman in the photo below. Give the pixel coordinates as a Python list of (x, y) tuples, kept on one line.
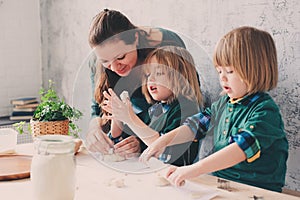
[(120, 47)]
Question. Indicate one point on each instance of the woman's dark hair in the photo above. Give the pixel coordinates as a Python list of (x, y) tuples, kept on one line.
[(109, 24)]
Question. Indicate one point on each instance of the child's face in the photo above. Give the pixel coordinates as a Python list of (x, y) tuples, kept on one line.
[(158, 82), (231, 82)]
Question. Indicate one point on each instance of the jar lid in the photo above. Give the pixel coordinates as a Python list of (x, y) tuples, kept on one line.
[(54, 144)]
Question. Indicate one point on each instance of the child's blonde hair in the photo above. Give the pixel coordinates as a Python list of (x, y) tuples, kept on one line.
[(179, 66), (252, 54)]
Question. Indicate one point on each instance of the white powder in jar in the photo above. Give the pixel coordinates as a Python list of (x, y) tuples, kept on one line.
[(53, 177), (53, 168)]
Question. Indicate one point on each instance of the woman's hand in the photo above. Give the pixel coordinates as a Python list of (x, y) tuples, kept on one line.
[(128, 147), (96, 140), (118, 109)]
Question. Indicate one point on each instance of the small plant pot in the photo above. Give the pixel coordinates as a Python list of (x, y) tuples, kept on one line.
[(49, 127)]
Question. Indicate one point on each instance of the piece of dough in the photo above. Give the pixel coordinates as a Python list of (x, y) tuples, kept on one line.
[(119, 183), (196, 195), (124, 95), (115, 182), (161, 181), (113, 158)]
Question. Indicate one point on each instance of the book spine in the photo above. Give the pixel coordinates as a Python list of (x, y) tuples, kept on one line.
[(22, 113)]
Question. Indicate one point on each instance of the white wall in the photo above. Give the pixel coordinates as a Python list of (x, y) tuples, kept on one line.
[(20, 52)]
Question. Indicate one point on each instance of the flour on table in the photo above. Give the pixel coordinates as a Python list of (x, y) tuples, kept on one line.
[(113, 158)]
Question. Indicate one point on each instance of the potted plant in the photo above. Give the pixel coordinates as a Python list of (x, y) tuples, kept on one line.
[(52, 116)]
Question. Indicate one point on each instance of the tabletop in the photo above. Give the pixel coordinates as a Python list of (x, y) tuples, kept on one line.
[(97, 181)]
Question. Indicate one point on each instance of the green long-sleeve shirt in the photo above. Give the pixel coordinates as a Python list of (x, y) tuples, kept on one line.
[(255, 124), (173, 116)]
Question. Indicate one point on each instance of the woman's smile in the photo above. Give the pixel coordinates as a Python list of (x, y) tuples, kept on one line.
[(123, 70)]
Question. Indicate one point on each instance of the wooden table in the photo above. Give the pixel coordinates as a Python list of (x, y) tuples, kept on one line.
[(93, 182)]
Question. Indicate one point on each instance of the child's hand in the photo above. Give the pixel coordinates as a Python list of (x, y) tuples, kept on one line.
[(177, 175), (155, 149), (119, 110)]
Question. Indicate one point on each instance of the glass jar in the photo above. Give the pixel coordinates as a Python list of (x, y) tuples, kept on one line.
[(53, 168)]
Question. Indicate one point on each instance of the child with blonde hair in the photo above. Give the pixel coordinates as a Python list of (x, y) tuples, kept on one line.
[(172, 86), (250, 144)]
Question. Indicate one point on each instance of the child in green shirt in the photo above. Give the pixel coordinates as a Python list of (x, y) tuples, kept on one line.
[(250, 144), (171, 85)]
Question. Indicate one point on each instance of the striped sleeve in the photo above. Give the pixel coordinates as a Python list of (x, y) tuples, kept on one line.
[(198, 123), (248, 143)]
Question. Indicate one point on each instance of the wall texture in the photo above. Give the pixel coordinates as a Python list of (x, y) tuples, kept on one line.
[(20, 48), (64, 45)]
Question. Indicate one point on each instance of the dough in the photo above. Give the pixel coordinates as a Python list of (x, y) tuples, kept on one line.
[(161, 181), (119, 183), (124, 95), (113, 158), (115, 182), (196, 195)]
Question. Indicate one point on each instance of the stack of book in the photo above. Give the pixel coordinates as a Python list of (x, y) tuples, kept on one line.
[(23, 108)]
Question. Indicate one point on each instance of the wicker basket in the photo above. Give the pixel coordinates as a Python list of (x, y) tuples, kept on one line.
[(51, 127)]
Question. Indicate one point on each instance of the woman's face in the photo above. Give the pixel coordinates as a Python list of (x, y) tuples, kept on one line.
[(117, 56)]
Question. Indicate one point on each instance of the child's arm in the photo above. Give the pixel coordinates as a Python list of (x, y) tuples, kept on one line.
[(124, 112), (193, 127), (222, 159), (179, 135)]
